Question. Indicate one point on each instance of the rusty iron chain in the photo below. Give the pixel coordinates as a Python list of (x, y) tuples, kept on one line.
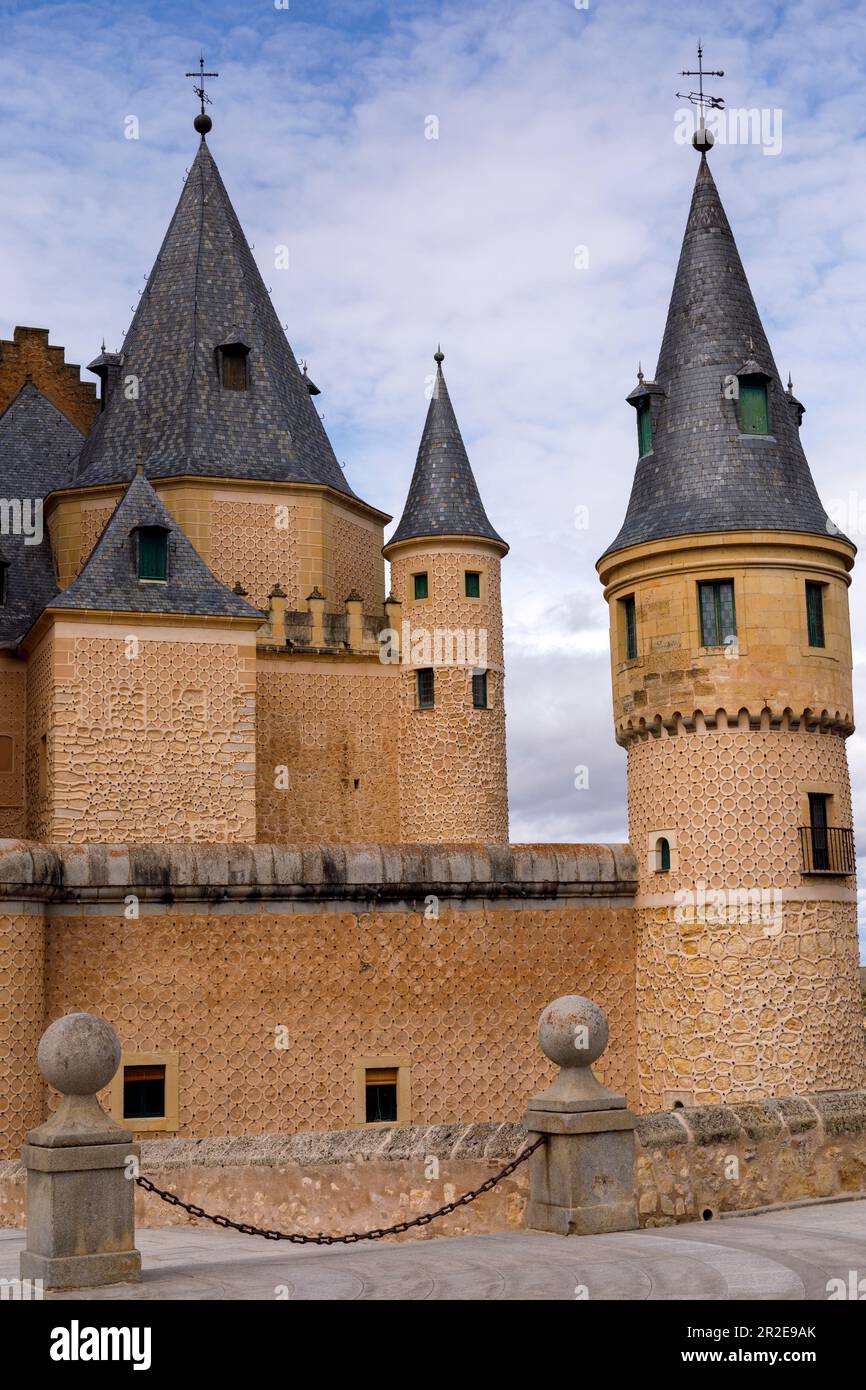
[(352, 1239)]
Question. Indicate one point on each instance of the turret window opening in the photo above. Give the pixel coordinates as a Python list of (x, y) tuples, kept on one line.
[(644, 426), (420, 586), (473, 584), (754, 408), (234, 371), (426, 688), (479, 690), (153, 553), (629, 619), (663, 856), (718, 615), (815, 614)]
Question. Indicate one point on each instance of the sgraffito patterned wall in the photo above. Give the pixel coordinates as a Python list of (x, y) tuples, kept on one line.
[(357, 562), (459, 996), (13, 712), (248, 545), (742, 999), (22, 996), (326, 751), (452, 757), (157, 744)]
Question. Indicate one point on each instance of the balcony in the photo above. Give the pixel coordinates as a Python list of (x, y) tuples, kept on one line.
[(827, 850)]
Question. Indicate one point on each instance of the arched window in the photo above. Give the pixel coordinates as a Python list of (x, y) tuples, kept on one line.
[(152, 552), (663, 856)]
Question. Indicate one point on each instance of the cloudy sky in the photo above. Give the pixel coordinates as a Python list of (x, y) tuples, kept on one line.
[(556, 129)]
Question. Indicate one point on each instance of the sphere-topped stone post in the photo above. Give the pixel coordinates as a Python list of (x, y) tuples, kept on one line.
[(80, 1193), (581, 1181)]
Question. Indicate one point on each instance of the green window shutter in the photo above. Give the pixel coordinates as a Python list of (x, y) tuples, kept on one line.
[(754, 414), (630, 616), (815, 614), (664, 850), (718, 616), (473, 584), (479, 690), (421, 586), (644, 426), (426, 689), (152, 552)]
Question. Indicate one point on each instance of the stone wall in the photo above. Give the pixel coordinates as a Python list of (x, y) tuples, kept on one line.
[(13, 744), (29, 354), (690, 1165), (271, 973)]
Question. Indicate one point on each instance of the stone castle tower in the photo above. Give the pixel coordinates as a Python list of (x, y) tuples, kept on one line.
[(731, 662)]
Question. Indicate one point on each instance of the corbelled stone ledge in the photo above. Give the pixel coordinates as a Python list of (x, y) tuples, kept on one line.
[(379, 873)]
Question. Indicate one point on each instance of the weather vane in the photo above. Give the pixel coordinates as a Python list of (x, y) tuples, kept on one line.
[(700, 98), (202, 122)]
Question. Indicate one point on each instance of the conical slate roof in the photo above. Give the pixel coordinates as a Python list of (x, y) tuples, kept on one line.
[(38, 447), (443, 496), (109, 580), (702, 474), (205, 291)]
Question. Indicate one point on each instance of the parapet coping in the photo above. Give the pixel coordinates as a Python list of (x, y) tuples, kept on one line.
[(825, 1114), (167, 873)]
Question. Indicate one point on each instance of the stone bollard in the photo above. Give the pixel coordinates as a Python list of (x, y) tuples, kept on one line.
[(80, 1195), (581, 1181)]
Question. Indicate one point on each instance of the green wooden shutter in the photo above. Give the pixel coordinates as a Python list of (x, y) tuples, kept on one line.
[(473, 584), (421, 587), (644, 426), (664, 856), (152, 552), (754, 415), (815, 614)]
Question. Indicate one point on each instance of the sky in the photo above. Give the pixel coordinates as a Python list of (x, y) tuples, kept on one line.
[(535, 237)]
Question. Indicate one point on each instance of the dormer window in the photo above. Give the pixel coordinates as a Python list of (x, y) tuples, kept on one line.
[(754, 408), (644, 425), (152, 553), (233, 366)]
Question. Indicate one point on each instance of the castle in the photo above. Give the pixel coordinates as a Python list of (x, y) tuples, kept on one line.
[(255, 809)]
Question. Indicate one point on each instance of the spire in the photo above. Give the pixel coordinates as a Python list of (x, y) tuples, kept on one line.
[(204, 295), (702, 473), (108, 579), (443, 496)]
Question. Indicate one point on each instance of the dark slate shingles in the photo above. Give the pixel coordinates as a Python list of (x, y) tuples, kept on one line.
[(38, 448), (205, 290), (443, 497), (701, 474), (109, 579)]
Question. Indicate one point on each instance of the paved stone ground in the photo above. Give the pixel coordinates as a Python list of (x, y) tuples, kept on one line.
[(779, 1255)]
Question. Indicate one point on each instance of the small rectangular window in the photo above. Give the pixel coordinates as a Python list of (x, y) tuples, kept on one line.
[(426, 689), (819, 821), (152, 552), (754, 414), (473, 584), (644, 426), (234, 368), (479, 690), (143, 1092), (718, 618), (380, 1095), (815, 614), (421, 588), (629, 617)]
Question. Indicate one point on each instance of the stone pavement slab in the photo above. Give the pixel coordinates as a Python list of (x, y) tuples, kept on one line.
[(774, 1256)]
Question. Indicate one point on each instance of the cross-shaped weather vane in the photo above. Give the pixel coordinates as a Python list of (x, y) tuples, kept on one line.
[(202, 122), (700, 98)]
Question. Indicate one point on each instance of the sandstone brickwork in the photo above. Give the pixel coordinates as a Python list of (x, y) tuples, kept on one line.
[(29, 355)]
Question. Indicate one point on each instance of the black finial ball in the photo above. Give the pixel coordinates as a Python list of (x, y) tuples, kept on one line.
[(439, 355), (703, 140), (203, 123)]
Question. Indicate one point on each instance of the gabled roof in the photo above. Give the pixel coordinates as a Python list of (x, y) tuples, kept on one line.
[(109, 582), (205, 291), (38, 447), (443, 497), (701, 474)]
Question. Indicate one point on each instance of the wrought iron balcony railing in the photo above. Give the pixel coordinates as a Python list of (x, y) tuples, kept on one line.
[(827, 850)]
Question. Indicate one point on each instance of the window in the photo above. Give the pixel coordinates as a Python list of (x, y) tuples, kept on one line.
[(152, 552), (43, 765), (754, 413), (233, 367), (479, 690), (815, 614), (420, 586), (718, 618), (426, 688), (380, 1095), (663, 856), (473, 584), (629, 616), (143, 1092), (644, 426), (818, 822)]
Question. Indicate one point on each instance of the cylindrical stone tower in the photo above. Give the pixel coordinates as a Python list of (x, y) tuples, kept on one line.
[(731, 663), (445, 559)]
